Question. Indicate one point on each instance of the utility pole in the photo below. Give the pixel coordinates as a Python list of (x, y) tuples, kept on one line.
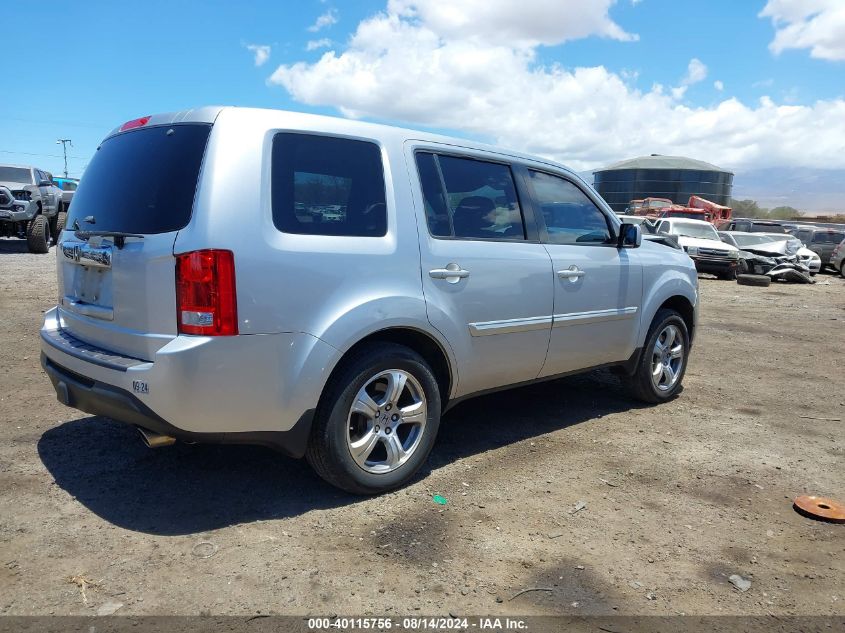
[(65, 142)]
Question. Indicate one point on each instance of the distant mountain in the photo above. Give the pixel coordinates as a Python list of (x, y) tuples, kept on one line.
[(811, 191)]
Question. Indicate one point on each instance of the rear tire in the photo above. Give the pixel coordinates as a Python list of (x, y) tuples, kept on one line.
[(57, 225), (658, 377), (38, 235), (399, 441), (762, 281)]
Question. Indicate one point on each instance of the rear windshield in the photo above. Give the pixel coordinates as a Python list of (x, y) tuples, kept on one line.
[(15, 174), (142, 181)]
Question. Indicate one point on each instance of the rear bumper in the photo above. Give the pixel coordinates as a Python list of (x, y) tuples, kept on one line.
[(108, 401), (255, 389)]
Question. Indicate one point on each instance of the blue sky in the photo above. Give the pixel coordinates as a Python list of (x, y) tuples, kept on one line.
[(97, 64)]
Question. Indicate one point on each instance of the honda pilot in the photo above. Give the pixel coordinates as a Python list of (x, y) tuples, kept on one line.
[(331, 287)]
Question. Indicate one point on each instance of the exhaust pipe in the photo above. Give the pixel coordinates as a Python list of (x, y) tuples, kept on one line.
[(155, 440)]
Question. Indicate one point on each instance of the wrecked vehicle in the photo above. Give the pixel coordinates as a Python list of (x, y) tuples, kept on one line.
[(806, 256), (761, 252)]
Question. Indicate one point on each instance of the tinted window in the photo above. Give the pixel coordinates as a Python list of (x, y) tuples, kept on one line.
[(437, 212), (142, 181), (479, 200), (827, 238), (328, 186), (15, 175), (570, 216)]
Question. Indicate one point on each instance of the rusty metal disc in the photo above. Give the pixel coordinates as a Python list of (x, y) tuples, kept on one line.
[(820, 508)]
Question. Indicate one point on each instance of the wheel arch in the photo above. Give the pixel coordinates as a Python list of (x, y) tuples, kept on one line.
[(682, 306), (674, 291), (423, 343)]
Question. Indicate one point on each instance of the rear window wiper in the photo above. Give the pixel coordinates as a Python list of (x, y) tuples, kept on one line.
[(119, 236)]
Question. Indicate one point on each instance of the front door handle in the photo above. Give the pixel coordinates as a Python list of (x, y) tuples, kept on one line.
[(573, 272), (452, 273)]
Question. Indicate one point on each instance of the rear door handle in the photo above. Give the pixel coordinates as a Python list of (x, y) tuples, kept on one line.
[(452, 273), (573, 272)]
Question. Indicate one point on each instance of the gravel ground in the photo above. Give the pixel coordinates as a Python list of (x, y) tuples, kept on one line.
[(678, 497)]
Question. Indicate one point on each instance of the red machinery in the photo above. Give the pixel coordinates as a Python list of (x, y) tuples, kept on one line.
[(697, 208)]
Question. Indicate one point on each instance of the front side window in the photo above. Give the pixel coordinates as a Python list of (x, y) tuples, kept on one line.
[(328, 186), (468, 198), (570, 216)]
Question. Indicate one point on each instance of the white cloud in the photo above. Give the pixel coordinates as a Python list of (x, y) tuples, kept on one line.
[(719, 85), (326, 19), (408, 67), (696, 72), (527, 22), (261, 52), (818, 25), (313, 45)]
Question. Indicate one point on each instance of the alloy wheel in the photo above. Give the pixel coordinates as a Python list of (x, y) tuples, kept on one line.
[(667, 358), (386, 421)]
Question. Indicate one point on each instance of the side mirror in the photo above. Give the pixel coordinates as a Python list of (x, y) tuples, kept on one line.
[(45, 183), (630, 236)]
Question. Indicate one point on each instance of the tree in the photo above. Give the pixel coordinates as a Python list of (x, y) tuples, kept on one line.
[(747, 209), (784, 213)]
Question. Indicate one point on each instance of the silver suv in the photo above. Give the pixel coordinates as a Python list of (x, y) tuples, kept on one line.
[(330, 287)]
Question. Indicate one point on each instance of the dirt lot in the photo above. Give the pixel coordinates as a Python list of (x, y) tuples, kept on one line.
[(678, 497)]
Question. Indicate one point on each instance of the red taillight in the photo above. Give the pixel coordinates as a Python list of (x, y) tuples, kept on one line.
[(140, 122), (206, 302)]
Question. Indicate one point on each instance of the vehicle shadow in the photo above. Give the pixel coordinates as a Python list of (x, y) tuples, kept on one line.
[(186, 489)]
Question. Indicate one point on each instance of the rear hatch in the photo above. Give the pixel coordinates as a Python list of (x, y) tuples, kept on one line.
[(116, 269)]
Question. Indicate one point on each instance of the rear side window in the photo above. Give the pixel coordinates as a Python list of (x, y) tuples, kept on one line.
[(828, 238), (142, 181), (468, 198), (328, 186), (570, 216)]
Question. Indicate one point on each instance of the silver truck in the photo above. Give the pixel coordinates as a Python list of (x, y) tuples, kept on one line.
[(35, 211), (331, 287)]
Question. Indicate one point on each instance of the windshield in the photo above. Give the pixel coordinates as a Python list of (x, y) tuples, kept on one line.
[(15, 174), (688, 229), (751, 240), (142, 181), (658, 204)]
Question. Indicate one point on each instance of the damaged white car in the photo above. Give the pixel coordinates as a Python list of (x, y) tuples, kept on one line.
[(773, 254)]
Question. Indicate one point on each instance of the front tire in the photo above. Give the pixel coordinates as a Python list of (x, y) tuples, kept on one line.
[(38, 235), (663, 361), (377, 420)]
